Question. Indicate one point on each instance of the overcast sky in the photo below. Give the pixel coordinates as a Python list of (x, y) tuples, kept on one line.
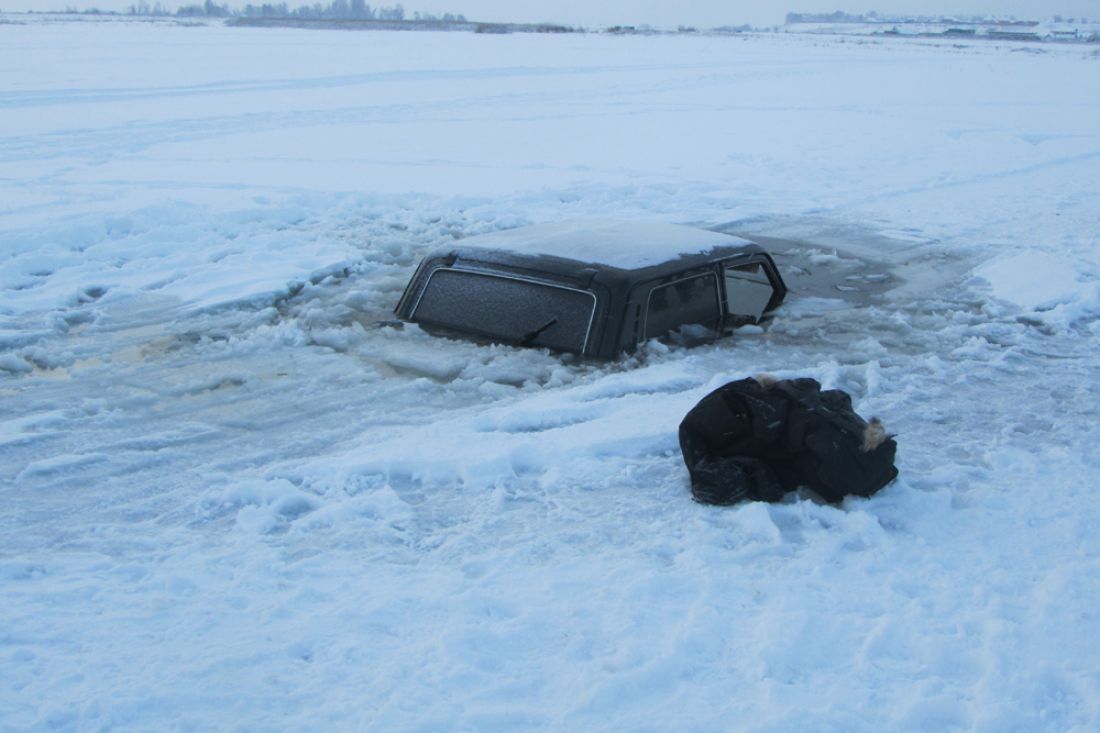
[(661, 13)]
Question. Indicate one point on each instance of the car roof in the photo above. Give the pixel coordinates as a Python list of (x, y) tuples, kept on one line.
[(625, 245)]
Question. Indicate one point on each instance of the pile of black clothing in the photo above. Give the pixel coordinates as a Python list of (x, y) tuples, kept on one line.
[(759, 438)]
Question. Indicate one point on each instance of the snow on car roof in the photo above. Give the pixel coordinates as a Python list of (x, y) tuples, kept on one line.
[(623, 244)]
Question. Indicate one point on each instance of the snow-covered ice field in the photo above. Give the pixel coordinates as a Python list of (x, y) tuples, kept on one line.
[(230, 500)]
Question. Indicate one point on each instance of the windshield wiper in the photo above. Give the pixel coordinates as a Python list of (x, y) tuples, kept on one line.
[(532, 335)]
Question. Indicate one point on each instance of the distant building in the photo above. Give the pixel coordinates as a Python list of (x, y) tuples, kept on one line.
[(1013, 36)]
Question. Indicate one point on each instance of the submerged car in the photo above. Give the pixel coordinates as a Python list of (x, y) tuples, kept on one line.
[(593, 288)]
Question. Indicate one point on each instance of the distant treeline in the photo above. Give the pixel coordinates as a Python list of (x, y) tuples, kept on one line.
[(872, 17), (335, 10)]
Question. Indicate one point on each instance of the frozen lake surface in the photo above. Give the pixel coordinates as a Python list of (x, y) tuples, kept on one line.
[(230, 500)]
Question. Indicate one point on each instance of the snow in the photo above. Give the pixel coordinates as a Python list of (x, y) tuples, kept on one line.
[(623, 244), (233, 498), (1049, 289)]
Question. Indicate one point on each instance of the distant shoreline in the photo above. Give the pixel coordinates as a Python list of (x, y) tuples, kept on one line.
[(401, 25), (879, 28)]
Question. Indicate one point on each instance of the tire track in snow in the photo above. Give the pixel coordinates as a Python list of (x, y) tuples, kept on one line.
[(113, 95)]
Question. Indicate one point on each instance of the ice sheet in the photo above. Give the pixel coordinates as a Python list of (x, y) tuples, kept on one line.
[(231, 499)]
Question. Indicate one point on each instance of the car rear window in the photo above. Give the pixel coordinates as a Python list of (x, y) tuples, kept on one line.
[(507, 309)]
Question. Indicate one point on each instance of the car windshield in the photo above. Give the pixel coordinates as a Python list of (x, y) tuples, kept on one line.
[(507, 309)]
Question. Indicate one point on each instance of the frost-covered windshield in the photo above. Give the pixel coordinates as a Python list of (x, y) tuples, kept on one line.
[(508, 309)]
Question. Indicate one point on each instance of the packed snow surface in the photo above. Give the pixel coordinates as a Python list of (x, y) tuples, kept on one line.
[(623, 244), (233, 498)]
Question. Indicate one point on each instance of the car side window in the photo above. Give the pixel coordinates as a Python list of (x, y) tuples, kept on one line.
[(507, 309), (748, 292), (684, 308)]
